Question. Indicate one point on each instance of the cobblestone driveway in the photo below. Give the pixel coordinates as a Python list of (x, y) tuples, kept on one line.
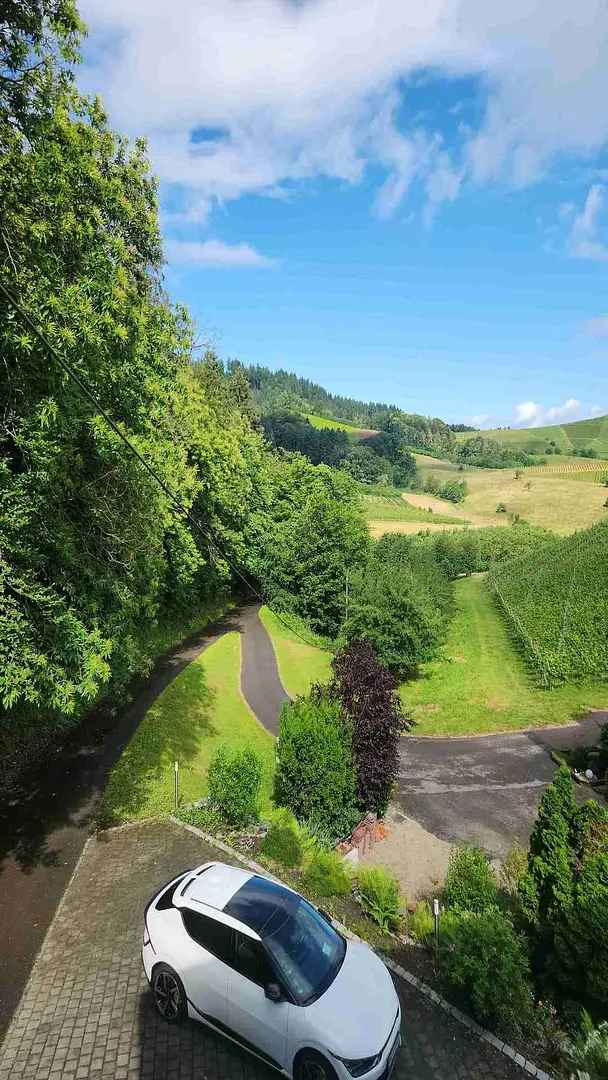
[(87, 1013)]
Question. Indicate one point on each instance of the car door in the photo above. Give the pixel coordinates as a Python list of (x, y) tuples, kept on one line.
[(205, 965), (258, 1022)]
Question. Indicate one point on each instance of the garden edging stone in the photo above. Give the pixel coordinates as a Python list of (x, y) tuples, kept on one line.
[(486, 1036)]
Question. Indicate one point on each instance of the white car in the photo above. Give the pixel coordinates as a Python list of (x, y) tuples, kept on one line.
[(257, 962)]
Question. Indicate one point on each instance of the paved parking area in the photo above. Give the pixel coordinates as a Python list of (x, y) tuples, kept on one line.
[(86, 1013)]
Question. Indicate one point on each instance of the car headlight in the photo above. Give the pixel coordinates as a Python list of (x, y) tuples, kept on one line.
[(359, 1066)]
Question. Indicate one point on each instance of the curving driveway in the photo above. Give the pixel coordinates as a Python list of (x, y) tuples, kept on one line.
[(483, 790)]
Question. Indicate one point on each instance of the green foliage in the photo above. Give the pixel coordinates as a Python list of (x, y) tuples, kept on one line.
[(421, 922), (513, 869), (325, 875), (399, 604), (453, 490), (379, 893), (588, 1052), (234, 784), (95, 558), (203, 817), (564, 894), (489, 454), (283, 841), (315, 777), (556, 603), (316, 534), (470, 884), (482, 957)]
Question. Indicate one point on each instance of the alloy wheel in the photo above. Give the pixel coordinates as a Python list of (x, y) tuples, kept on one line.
[(167, 995)]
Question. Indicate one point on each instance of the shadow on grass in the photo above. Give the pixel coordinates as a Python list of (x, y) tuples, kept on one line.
[(61, 793), (171, 730)]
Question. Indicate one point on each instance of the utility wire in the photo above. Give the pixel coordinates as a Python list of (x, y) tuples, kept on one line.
[(90, 395)]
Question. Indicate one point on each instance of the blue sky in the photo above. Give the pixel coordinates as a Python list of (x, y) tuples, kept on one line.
[(404, 202)]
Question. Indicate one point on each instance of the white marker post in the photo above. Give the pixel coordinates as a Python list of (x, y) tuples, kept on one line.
[(176, 766), (436, 915)]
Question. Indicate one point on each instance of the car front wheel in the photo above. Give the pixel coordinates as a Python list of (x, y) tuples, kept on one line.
[(169, 994), (313, 1066)]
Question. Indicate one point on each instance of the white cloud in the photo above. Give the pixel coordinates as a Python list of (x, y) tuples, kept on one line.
[(585, 241), (597, 327), (295, 90), (483, 420), (597, 410), (531, 414), (215, 253)]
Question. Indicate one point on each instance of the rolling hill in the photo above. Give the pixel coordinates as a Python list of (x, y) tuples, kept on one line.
[(578, 435)]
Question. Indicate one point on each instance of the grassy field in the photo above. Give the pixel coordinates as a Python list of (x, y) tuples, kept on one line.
[(555, 502), (339, 425), (300, 665), (578, 435), (482, 684), (202, 708), (397, 508)]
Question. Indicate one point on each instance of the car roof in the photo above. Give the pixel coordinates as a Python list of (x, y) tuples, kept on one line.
[(244, 899), (212, 884)]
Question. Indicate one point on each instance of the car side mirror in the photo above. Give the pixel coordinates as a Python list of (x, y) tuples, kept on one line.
[(273, 992)]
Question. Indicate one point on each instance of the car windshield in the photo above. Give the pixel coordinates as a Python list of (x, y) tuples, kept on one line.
[(306, 949)]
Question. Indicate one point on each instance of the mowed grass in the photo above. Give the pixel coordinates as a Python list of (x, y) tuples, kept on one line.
[(201, 709), (482, 684), (339, 425), (554, 502), (300, 665)]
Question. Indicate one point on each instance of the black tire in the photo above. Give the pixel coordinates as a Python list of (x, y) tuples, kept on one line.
[(310, 1065), (169, 994)]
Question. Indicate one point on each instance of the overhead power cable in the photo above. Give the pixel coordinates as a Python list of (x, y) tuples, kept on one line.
[(174, 498)]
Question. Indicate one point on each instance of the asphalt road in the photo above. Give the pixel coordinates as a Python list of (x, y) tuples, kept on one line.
[(484, 790)]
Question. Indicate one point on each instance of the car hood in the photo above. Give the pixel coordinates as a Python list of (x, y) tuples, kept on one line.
[(355, 1016)]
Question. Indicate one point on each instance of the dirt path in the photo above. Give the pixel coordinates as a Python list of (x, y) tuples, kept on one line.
[(440, 506)]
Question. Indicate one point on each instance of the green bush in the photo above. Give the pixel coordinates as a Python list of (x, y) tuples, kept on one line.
[(380, 898), (326, 875), (315, 776), (470, 884), (283, 841), (513, 868), (421, 923), (588, 1053), (483, 958), (234, 784)]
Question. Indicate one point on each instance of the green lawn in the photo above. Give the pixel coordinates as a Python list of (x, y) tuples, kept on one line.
[(300, 665), (482, 684), (202, 708), (339, 425)]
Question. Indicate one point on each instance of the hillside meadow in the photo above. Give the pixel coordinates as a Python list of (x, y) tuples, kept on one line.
[(555, 502), (578, 435)]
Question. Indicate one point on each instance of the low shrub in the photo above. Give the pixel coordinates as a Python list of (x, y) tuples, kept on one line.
[(380, 899), (483, 958), (234, 784), (203, 816), (513, 868), (588, 1053), (326, 875), (470, 884), (421, 923), (283, 841), (315, 776)]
